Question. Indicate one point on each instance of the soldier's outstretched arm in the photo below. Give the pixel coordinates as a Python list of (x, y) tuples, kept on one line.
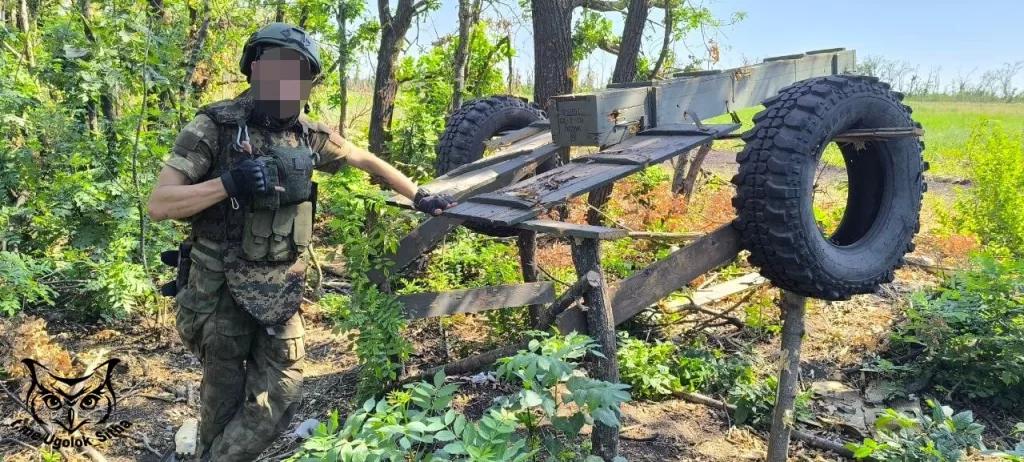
[(335, 152)]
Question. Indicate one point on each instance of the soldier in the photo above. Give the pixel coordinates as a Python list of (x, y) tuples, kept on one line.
[(241, 172)]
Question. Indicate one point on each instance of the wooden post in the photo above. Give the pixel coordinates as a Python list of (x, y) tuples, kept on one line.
[(586, 255), (793, 308), (527, 242)]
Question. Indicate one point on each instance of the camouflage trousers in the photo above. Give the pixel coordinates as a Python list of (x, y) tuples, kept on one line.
[(252, 375)]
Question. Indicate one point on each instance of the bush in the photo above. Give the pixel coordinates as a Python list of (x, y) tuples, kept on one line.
[(973, 330), (19, 282), (993, 208), (941, 437), (419, 423)]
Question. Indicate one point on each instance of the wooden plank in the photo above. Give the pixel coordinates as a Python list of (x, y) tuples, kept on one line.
[(502, 199), (619, 159), (568, 181), (502, 154), (429, 305), (720, 291), (516, 136), (474, 177), (661, 278), (561, 228)]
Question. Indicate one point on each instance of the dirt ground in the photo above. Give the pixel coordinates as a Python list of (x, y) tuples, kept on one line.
[(157, 379)]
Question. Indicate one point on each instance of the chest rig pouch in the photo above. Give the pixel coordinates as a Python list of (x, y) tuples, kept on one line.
[(266, 272)]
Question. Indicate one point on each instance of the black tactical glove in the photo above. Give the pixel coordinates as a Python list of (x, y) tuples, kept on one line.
[(248, 178), (428, 202)]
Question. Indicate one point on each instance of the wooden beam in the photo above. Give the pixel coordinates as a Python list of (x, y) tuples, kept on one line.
[(877, 134), (783, 417), (860, 134), (720, 291), (490, 173), (671, 237), (586, 256), (429, 305), (561, 228), (563, 183), (517, 135), (661, 278), (526, 240)]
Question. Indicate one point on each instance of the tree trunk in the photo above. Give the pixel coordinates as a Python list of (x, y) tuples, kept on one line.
[(303, 16), (632, 36), (462, 51), (279, 14), (783, 417), (385, 87), (197, 52), (552, 48), (666, 41), (342, 65), (26, 30)]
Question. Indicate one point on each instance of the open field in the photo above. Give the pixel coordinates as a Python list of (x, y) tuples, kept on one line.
[(947, 125)]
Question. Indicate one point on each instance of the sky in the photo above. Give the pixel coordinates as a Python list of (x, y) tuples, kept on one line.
[(962, 38)]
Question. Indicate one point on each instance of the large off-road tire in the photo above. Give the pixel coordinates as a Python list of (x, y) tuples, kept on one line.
[(473, 124), (777, 176)]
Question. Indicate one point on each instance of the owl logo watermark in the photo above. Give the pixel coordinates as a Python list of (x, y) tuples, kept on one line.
[(78, 407)]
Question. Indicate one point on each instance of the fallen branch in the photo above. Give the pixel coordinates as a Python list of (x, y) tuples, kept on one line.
[(722, 315), (812, 440), (93, 454), (822, 443)]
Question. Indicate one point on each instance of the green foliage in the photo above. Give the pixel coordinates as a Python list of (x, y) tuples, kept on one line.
[(661, 368), (468, 262), (755, 400), (994, 208), (592, 31), (973, 329), (372, 318), (19, 282), (419, 423), (941, 437), (426, 94)]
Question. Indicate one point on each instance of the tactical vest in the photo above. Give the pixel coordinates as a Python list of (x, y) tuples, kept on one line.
[(290, 167), (260, 243)]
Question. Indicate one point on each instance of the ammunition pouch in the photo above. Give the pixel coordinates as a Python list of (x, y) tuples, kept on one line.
[(289, 168)]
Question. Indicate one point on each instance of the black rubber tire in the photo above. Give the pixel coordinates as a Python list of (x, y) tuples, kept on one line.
[(776, 179), (476, 122)]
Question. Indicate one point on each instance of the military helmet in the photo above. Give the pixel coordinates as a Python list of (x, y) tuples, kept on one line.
[(282, 35)]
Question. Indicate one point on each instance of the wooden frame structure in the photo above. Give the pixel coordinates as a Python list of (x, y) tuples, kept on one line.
[(636, 125)]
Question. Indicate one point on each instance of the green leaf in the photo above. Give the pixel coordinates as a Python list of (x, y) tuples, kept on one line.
[(530, 398), (457, 448), (444, 435)]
